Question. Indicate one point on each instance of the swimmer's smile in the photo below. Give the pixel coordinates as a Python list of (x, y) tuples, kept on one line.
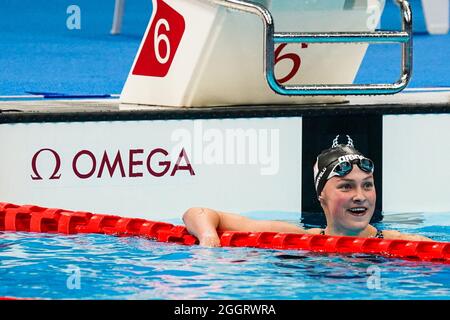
[(358, 211)]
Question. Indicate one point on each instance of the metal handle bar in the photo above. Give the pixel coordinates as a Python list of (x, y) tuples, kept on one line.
[(404, 37)]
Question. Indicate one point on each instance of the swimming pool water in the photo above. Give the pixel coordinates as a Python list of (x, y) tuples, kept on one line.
[(93, 266)]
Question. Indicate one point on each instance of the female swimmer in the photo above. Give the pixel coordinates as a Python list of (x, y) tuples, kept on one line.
[(346, 191)]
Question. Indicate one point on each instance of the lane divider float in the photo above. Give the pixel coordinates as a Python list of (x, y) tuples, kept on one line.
[(30, 218)]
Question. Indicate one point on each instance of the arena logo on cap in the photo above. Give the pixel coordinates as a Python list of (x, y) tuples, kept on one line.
[(350, 157)]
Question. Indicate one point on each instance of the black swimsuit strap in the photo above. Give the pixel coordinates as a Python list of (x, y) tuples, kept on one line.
[(379, 234)]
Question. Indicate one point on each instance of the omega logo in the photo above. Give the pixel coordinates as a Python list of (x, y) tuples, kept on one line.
[(54, 175), (108, 165)]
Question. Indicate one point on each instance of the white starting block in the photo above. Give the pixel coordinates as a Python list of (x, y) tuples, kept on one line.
[(217, 52)]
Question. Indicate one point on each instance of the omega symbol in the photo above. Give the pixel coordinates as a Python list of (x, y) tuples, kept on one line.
[(54, 175)]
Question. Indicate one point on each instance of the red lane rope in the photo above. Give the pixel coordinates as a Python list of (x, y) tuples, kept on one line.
[(29, 218)]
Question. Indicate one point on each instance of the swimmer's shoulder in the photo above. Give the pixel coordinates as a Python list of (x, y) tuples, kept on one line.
[(396, 235)]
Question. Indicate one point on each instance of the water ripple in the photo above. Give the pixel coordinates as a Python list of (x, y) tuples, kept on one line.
[(104, 267)]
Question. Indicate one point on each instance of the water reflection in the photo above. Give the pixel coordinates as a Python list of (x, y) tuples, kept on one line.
[(134, 268)]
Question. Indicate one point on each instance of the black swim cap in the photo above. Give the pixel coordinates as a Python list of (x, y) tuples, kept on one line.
[(327, 160)]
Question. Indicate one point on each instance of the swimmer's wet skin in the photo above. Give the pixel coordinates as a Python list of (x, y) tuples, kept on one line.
[(345, 188)]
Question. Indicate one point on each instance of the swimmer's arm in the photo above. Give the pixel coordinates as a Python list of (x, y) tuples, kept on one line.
[(204, 224), (392, 234)]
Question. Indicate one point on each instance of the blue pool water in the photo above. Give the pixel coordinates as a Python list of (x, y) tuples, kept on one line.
[(93, 266)]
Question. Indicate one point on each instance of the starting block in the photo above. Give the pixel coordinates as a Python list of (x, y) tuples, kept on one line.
[(231, 52)]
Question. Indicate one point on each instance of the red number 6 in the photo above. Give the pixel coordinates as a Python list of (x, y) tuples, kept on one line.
[(296, 60)]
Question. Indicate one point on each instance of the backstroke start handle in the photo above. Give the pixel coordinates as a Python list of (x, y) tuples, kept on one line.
[(404, 37)]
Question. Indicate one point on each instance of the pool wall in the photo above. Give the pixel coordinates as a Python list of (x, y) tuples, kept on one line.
[(232, 160)]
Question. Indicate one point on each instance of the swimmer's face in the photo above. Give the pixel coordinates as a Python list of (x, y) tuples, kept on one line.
[(349, 201)]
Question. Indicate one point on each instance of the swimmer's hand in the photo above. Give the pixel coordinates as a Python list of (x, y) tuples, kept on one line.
[(209, 241), (203, 223)]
